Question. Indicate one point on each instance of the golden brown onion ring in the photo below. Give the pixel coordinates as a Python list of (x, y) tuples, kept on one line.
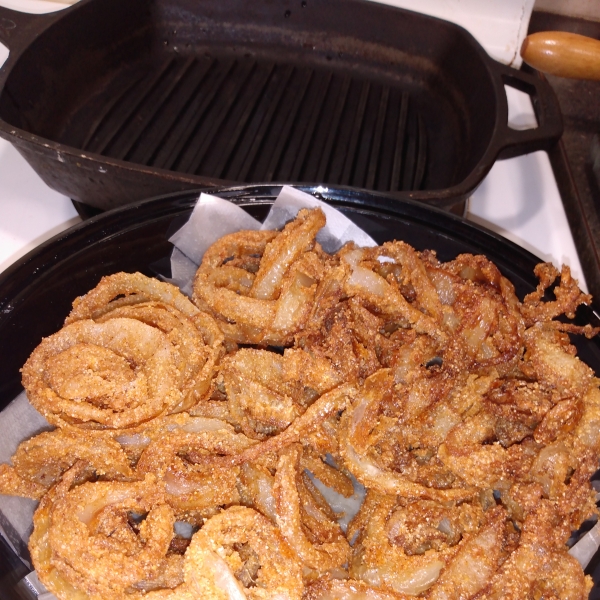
[(485, 549), (540, 565), (190, 486), (41, 552), (247, 320), (197, 344), (267, 391), (241, 248), (467, 453), (196, 339), (567, 293), (412, 547), (135, 440), (258, 400), (328, 404), (256, 489), (116, 374), (413, 272), (92, 543), (355, 428), (376, 291), (218, 559), (323, 556), (328, 475), (282, 292), (551, 360), (125, 289), (384, 565), (481, 314), (297, 237), (39, 462)]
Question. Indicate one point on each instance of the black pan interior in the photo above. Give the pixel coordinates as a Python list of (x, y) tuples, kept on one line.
[(343, 92)]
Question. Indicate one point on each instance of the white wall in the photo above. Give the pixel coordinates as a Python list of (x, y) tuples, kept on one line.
[(587, 9)]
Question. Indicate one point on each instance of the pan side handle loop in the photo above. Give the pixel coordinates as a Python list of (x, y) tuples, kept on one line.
[(15, 26), (512, 142)]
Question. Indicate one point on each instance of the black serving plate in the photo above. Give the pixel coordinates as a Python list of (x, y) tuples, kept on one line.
[(37, 291)]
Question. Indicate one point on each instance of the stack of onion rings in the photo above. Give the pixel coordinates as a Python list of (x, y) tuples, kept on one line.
[(186, 463), (132, 349), (272, 304)]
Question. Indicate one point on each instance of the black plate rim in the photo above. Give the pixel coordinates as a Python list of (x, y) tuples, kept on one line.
[(116, 220)]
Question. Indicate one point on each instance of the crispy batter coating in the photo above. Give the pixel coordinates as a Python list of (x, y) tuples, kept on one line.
[(131, 350), (39, 462), (266, 392), (320, 543), (241, 554), (273, 303), (190, 486)]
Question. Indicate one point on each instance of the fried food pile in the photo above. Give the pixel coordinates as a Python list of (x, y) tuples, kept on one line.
[(194, 438)]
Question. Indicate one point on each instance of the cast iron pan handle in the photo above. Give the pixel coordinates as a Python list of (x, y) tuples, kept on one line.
[(513, 142), (18, 28)]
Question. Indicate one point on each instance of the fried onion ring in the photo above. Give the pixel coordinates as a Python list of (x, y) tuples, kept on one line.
[(92, 543), (266, 392), (540, 565), (190, 486), (125, 289), (39, 462), (116, 374), (328, 404), (214, 564), (195, 338), (55, 580), (329, 553), (197, 343), (280, 298), (356, 430)]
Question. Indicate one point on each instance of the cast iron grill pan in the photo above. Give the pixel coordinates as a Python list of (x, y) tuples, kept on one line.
[(245, 120), (115, 101)]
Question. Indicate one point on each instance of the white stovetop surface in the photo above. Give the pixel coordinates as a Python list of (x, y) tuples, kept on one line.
[(518, 199)]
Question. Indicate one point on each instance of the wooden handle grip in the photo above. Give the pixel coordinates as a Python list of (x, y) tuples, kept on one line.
[(563, 54)]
